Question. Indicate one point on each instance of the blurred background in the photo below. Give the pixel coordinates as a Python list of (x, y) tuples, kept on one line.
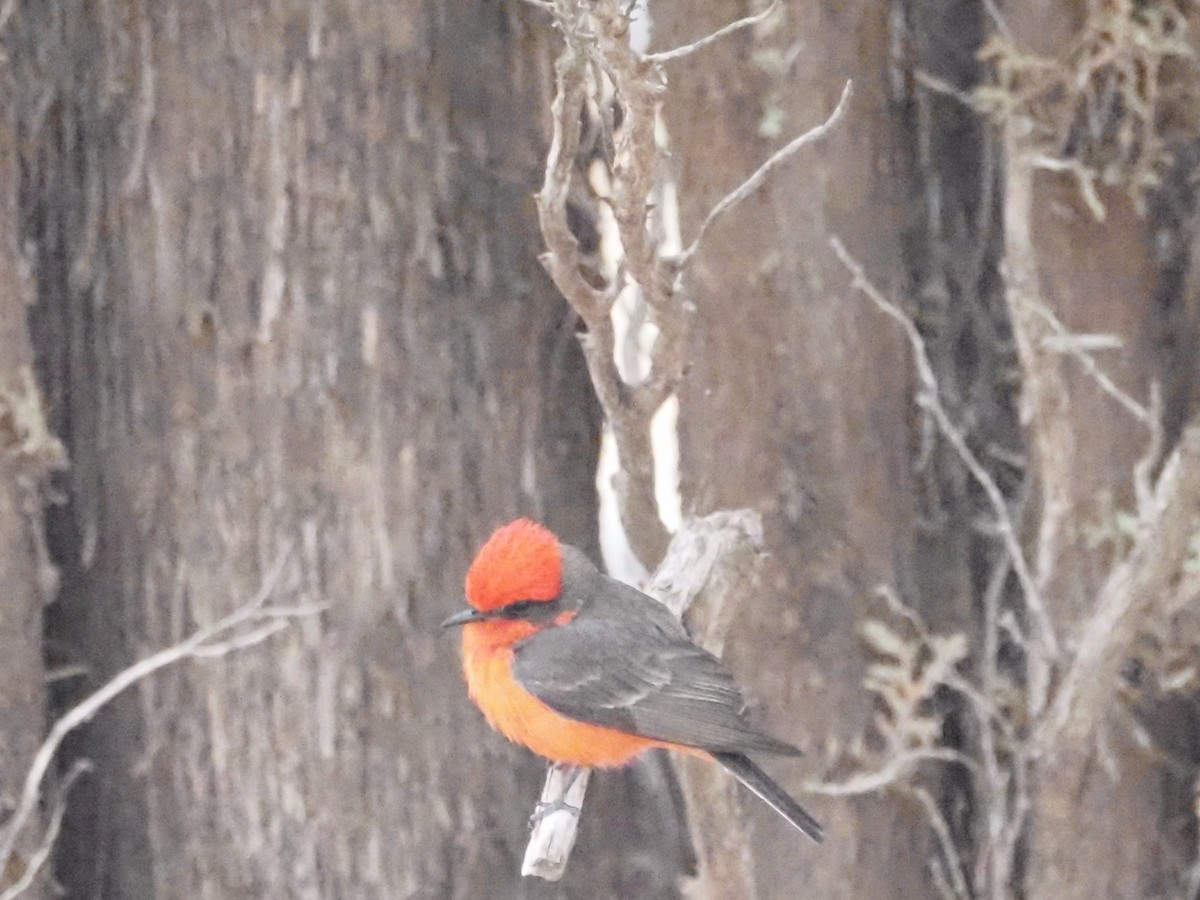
[(270, 297)]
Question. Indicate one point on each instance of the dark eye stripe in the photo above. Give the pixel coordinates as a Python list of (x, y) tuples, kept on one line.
[(525, 609)]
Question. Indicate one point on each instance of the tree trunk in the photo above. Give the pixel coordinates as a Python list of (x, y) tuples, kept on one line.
[(290, 308), (797, 399), (1102, 802), (28, 452)]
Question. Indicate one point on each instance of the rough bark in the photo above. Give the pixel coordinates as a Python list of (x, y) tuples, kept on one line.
[(289, 302), (27, 452), (1101, 796), (796, 400), (1099, 799)]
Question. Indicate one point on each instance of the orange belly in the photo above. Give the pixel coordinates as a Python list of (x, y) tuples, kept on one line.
[(524, 719)]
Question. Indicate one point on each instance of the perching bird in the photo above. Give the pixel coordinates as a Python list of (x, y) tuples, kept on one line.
[(587, 671)]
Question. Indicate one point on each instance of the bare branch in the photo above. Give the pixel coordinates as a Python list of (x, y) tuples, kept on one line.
[(689, 49), (930, 400), (561, 259), (894, 772), (941, 828), (556, 821), (198, 645), (751, 184), (42, 854), (1144, 578), (1078, 347), (597, 47)]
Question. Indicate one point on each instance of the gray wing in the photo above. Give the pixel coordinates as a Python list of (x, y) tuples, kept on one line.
[(625, 663)]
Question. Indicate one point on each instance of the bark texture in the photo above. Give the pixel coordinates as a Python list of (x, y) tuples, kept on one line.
[(28, 452), (797, 399), (1106, 815), (289, 304), (274, 267)]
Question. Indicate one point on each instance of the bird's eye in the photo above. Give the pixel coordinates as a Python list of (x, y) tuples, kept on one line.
[(520, 608)]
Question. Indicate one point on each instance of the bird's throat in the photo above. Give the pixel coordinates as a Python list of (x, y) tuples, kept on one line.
[(495, 635)]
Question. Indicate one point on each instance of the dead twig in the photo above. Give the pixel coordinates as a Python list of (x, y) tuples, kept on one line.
[(1077, 345), (1167, 526), (555, 822), (893, 773), (199, 645), (694, 46), (46, 847), (754, 182), (1046, 642)]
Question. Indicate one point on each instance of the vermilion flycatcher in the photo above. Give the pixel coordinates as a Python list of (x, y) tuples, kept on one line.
[(587, 671)]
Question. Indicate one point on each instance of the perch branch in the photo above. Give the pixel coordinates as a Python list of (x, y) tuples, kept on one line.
[(555, 822)]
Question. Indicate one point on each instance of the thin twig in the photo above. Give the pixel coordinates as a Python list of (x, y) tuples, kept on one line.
[(931, 400), (751, 184), (42, 854), (896, 769), (1076, 349), (941, 828), (195, 646), (689, 49), (997, 18)]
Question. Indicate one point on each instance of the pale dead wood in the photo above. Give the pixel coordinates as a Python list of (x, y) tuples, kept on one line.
[(953, 882), (755, 181), (724, 31), (555, 822), (1044, 395), (711, 565), (1078, 347), (213, 640), (41, 855), (1166, 530), (596, 61), (596, 49), (896, 771), (595, 41)]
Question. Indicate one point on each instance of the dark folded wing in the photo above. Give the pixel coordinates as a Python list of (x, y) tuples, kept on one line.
[(640, 675)]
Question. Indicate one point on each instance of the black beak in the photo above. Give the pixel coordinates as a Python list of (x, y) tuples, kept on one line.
[(463, 617)]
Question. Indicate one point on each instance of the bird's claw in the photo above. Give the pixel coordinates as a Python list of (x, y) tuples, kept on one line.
[(548, 807)]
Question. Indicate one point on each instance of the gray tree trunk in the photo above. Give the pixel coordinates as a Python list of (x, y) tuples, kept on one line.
[(797, 398), (289, 306), (28, 452)]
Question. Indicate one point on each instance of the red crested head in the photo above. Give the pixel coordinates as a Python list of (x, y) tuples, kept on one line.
[(520, 561)]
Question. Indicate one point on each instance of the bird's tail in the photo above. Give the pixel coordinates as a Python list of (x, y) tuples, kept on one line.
[(776, 797)]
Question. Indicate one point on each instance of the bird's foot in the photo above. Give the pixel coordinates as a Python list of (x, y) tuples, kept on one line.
[(548, 807)]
